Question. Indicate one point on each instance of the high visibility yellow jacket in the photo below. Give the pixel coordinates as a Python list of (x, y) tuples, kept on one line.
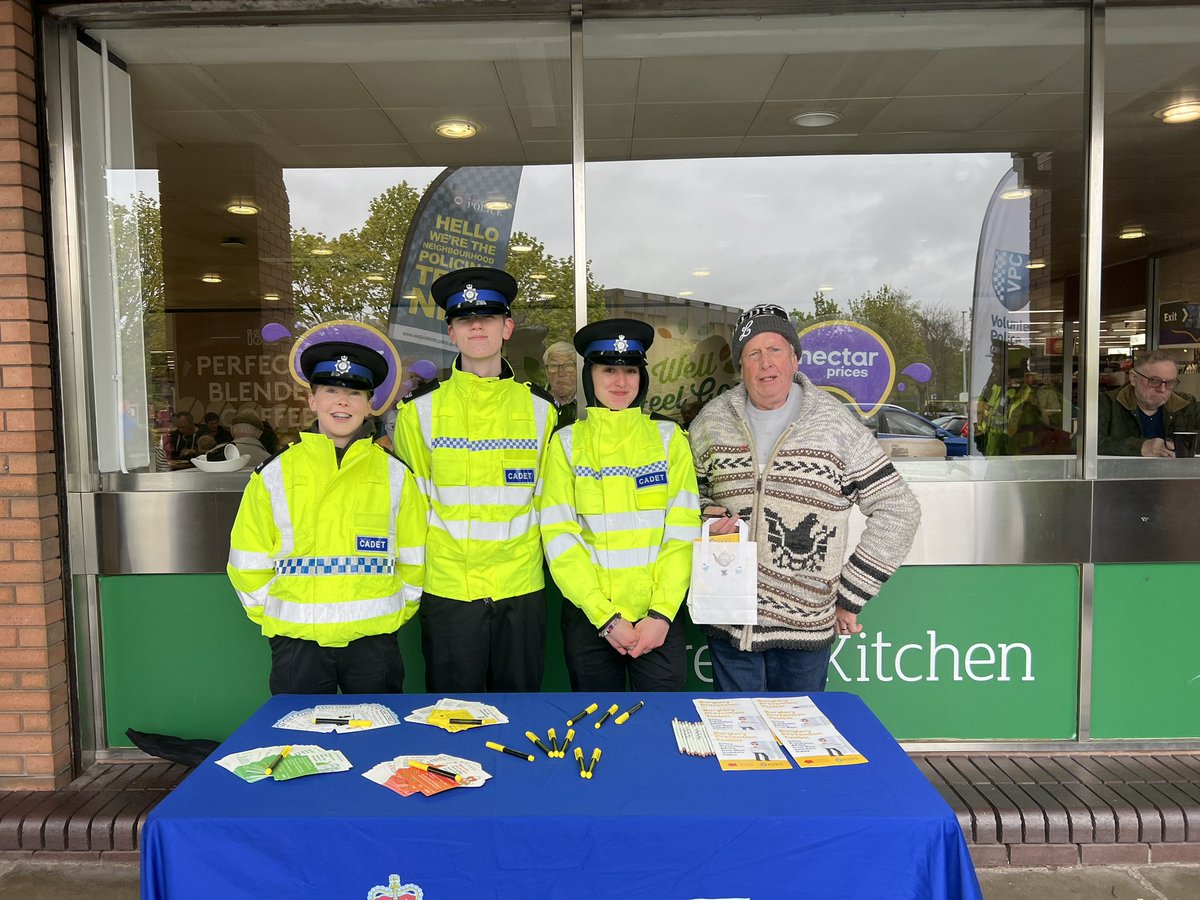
[(327, 553), (620, 511), (476, 447)]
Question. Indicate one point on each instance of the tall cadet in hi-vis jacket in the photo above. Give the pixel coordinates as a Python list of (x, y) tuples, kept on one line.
[(475, 443)]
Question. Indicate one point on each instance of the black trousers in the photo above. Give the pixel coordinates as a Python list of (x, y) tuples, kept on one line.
[(483, 645), (369, 665), (594, 666)]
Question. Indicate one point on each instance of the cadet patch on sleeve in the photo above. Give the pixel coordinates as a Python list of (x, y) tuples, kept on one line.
[(367, 544), (519, 476)]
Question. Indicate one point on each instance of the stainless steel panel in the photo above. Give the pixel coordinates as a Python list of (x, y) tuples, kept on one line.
[(162, 533), (1002, 522), (1145, 521)]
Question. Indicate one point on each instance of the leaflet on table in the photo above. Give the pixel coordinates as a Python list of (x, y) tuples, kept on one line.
[(398, 775), (746, 733), (339, 717), (807, 732), (301, 759), (472, 713), (740, 735)]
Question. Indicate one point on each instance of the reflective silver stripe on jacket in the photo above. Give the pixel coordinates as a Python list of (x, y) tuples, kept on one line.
[(250, 559), (333, 613), (272, 477)]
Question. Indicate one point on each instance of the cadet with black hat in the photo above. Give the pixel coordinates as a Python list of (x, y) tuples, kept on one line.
[(476, 443), (327, 552), (620, 511)]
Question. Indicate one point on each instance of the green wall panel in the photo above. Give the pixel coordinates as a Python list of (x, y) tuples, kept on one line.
[(1145, 666), (991, 653), (1001, 663)]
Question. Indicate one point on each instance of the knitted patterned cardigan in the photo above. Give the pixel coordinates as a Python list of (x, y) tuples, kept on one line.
[(826, 461)]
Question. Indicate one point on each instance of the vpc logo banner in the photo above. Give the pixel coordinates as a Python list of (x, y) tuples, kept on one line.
[(850, 360)]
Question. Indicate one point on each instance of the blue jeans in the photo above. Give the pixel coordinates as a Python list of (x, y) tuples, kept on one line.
[(753, 671)]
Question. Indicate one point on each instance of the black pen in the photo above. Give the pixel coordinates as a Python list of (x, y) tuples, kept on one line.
[(492, 745), (574, 720), (624, 717), (538, 742), (562, 751), (553, 736), (277, 760), (604, 718), (445, 773)]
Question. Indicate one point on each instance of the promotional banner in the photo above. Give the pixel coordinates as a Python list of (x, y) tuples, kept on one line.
[(463, 220), (849, 360), (1000, 315)]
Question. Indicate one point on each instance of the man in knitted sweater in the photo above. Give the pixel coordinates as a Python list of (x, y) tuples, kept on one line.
[(791, 460)]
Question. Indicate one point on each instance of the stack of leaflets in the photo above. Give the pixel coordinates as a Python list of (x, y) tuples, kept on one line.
[(341, 717), (284, 762), (457, 715), (750, 733), (435, 774)]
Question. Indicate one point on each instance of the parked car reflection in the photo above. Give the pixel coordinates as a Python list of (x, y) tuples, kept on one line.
[(903, 433)]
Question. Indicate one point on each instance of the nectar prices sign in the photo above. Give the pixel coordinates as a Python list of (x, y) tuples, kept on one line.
[(850, 360)]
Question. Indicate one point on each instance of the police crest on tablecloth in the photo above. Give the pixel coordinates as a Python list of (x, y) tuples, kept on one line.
[(394, 890)]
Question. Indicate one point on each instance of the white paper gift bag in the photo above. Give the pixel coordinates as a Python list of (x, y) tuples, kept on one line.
[(724, 587)]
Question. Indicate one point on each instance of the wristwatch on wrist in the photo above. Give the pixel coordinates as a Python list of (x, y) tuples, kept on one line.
[(610, 625)]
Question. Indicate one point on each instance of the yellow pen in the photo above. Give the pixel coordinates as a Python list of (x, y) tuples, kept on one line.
[(624, 717), (575, 720), (283, 754), (537, 742), (579, 759), (591, 770), (562, 751), (492, 745), (553, 742), (445, 773), (604, 718)]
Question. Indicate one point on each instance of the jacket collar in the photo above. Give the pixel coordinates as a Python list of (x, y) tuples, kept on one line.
[(505, 370), (1128, 399)]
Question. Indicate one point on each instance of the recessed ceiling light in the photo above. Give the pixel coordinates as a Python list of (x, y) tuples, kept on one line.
[(549, 296), (686, 293), (825, 288), (1132, 233), (815, 119), (456, 129), (1017, 194), (521, 248), (702, 273), (375, 276), (234, 242), (322, 251), (242, 208), (1036, 264), (1179, 113), (537, 276), (211, 278), (271, 297), (498, 205)]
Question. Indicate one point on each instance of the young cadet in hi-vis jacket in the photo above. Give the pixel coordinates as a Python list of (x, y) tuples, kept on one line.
[(328, 549), (620, 511), (475, 443)]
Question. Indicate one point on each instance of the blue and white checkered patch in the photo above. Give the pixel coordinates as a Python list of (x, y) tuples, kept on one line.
[(451, 443), (335, 565), (637, 473)]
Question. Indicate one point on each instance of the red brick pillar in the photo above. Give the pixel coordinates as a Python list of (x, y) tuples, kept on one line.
[(35, 732)]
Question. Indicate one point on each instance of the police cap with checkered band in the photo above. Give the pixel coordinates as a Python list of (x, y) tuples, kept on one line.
[(343, 364), (478, 291)]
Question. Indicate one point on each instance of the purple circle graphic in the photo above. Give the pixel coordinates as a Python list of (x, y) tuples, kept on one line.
[(917, 372), (274, 331)]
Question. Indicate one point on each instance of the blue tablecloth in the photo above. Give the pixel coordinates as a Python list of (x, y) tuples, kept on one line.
[(652, 823)]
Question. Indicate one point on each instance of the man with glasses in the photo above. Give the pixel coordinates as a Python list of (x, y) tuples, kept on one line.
[(1141, 418), (562, 380), (791, 460)]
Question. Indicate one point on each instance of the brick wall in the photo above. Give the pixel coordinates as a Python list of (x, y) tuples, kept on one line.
[(35, 738)]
